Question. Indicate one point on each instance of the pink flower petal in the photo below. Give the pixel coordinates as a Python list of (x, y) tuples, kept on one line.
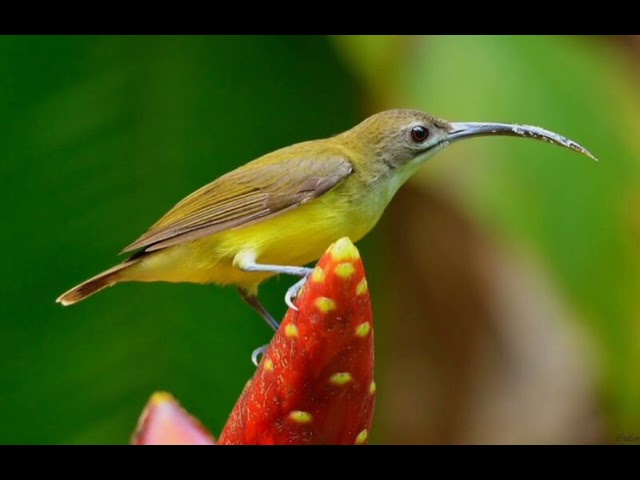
[(165, 422)]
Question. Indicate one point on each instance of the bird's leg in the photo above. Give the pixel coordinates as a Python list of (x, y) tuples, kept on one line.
[(253, 301), (259, 267), (246, 262)]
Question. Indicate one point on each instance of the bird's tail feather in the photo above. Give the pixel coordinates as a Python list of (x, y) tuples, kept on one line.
[(95, 284)]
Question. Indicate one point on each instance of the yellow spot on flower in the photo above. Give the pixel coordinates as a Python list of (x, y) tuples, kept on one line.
[(372, 388), (161, 397), (268, 365), (362, 437), (344, 250), (363, 287), (318, 275), (325, 305), (363, 329), (291, 330), (341, 378), (299, 416), (345, 270)]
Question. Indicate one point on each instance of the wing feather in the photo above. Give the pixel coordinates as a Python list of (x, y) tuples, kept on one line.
[(254, 192)]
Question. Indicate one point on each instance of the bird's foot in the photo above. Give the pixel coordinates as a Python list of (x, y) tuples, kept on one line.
[(295, 289), (257, 354)]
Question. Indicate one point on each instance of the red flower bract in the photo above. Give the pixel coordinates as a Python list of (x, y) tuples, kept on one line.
[(314, 384)]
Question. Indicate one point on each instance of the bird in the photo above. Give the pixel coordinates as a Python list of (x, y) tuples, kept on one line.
[(279, 212)]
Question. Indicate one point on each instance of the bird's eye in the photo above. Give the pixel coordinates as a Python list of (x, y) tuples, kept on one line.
[(419, 134)]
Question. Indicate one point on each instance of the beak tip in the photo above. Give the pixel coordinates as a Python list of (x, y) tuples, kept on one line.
[(589, 154)]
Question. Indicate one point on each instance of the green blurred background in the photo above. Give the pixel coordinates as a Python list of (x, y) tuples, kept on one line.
[(506, 298)]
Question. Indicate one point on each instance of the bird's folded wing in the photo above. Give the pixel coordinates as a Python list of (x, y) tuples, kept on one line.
[(254, 192)]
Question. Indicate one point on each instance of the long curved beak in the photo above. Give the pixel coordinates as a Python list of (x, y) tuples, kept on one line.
[(459, 131)]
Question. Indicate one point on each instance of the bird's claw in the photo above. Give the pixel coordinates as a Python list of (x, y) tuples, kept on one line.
[(258, 352), (290, 295), (295, 289)]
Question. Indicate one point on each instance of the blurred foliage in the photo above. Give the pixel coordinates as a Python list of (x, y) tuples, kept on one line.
[(578, 217), (102, 135)]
